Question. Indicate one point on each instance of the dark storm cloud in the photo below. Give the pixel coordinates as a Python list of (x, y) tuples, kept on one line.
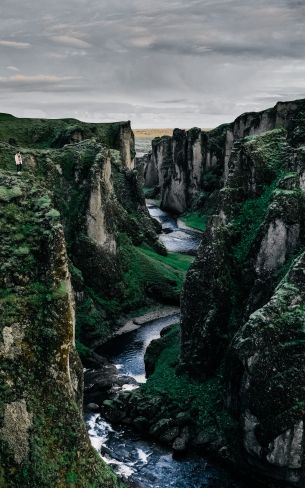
[(194, 62)]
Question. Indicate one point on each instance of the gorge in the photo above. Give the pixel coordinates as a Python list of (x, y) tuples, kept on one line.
[(93, 237)]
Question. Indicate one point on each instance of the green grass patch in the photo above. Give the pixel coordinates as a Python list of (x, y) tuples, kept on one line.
[(196, 220), (180, 262), (8, 194), (46, 133), (148, 274), (157, 269), (147, 190), (203, 400)]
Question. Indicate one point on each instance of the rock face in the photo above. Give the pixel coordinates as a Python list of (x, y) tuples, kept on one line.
[(182, 165), (127, 145), (243, 300), (101, 192), (270, 349), (43, 441), (75, 215), (211, 266), (192, 164), (100, 199)]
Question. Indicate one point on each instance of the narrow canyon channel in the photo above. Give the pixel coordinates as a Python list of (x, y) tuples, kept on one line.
[(142, 463)]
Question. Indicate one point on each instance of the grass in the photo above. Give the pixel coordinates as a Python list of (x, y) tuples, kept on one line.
[(8, 194), (150, 273), (180, 262), (173, 267), (196, 220), (43, 133), (202, 400), (147, 190)]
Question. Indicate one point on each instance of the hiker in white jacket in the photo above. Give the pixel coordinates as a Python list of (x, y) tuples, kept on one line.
[(18, 160)]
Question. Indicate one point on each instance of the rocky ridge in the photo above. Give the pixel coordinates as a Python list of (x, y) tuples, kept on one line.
[(246, 283)]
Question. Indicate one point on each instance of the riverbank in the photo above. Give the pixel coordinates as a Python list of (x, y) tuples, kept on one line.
[(157, 313), (172, 410)]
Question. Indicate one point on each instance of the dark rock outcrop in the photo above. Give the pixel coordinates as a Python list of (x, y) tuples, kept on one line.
[(270, 386), (206, 304), (243, 301)]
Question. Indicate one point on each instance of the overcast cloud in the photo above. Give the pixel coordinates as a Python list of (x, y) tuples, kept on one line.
[(159, 63)]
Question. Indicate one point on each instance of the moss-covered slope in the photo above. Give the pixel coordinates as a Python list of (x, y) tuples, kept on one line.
[(239, 319), (78, 204), (99, 196), (43, 442), (46, 133)]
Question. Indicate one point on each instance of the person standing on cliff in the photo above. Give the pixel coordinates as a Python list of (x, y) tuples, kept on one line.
[(18, 160)]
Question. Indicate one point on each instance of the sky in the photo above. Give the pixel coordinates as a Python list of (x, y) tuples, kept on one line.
[(158, 63)]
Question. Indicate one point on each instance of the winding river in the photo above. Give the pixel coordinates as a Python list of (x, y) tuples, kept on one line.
[(176, 236), (141, 463)]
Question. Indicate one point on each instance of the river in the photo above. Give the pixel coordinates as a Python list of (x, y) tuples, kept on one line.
[(176, 236), (142, 463)]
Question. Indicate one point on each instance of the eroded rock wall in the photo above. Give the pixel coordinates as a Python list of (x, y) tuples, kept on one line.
[(78, 202), (241, 312), (43, 441), (271, 387), (201, 164)]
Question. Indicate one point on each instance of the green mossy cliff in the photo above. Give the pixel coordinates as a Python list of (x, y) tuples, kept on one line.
[(243, 301), (43, 441), (78, 250), (90, 173)]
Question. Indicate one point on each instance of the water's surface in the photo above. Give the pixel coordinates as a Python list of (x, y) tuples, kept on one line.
[(147, 465), (127, 350), (176, 236), (144, 463)]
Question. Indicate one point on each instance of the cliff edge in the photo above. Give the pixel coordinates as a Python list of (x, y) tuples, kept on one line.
[(43, 442)]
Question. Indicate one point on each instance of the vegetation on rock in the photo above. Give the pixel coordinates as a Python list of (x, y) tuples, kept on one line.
[(43, 442)]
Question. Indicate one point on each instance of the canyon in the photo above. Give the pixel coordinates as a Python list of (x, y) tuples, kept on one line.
[(83, 252)]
